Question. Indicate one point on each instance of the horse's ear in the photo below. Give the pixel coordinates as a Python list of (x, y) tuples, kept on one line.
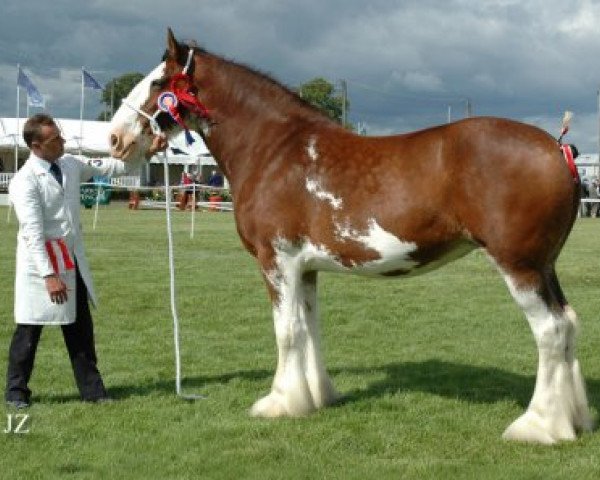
[(174, 50)]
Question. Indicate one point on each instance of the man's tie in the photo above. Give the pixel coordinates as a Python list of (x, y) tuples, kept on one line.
[(55, 170)]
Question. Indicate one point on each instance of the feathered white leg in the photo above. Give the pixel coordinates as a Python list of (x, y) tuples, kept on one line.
[(301, 384), (559, 404)]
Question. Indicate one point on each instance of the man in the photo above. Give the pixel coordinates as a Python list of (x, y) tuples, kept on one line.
[(53, 278), (593, 195), (187, 190)]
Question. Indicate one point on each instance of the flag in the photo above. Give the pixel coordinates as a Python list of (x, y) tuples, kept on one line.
[(89, 81), (34, 97)]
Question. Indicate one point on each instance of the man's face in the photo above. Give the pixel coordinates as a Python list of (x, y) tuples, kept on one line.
[(51, 146)]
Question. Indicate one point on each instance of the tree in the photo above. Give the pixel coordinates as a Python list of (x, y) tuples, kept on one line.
[(321, 94), (116, 90)]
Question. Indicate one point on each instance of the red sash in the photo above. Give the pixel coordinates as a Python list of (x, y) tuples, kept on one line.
[(59, 256)]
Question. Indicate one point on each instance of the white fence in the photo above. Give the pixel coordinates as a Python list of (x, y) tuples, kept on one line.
[(5, 179), (132, 181)]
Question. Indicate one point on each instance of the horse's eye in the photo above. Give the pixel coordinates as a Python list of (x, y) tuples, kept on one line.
[(157, 83)]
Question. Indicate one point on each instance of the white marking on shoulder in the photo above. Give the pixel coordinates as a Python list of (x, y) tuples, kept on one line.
[(314, 187), (311, 149), (394, 254)]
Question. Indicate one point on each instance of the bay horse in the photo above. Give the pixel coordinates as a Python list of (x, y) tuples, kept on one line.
[(311, 196)]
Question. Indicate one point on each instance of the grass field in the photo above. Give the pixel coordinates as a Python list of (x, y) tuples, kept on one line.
[(434, 368)]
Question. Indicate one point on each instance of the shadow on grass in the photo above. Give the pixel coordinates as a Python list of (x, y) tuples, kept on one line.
[(446, 379), (452, 380), (120, 392)]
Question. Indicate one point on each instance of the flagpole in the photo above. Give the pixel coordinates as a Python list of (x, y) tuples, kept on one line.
[(16, 138), (112, 99), (81, 114)]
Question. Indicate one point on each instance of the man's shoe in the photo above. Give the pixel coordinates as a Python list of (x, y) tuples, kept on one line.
[(105, 399), (18, 404)]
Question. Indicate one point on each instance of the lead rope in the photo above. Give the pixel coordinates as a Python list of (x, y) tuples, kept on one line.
[(156, 130)]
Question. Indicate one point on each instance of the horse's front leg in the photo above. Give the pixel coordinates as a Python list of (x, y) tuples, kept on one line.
[(301, 384)]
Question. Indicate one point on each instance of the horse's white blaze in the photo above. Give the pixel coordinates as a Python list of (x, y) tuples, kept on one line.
[(559, 403), (311, 149), (126, 118), (314, 187)]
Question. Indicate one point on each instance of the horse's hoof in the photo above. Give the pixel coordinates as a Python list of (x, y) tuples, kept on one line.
[(270, 406), (530, 427)]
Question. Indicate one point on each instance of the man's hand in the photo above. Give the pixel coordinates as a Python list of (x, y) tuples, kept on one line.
[(159, 144), (57, 289)]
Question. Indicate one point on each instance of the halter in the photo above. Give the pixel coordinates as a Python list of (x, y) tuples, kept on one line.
[(182, 92), (156, 130)]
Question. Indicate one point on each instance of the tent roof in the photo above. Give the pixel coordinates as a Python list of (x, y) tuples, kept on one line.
[(94, 140)]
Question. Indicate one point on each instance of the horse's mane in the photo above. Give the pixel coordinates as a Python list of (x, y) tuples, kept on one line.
[(262, 82)]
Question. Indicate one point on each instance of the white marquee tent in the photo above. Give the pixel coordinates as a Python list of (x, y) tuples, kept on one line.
[(91, 139)]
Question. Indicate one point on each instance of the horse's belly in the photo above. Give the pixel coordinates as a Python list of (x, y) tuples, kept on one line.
[(388, 255)]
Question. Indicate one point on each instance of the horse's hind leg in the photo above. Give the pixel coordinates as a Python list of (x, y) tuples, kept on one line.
[(559, 406), (582, 418), (301, 384)]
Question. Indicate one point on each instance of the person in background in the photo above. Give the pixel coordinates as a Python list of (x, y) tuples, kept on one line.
[(593, 195), (186, 191), (53, 279), (216, 179), (584, 191)]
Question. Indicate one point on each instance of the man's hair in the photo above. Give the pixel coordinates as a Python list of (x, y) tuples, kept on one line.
[(32, 131)]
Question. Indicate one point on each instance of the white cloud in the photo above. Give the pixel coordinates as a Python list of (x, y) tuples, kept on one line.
[(524, 60), (419, 81)]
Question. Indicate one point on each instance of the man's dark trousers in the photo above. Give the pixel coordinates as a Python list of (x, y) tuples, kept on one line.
[(79, 339)]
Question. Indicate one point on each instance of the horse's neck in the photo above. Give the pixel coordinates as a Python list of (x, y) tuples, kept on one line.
[(250, 113)]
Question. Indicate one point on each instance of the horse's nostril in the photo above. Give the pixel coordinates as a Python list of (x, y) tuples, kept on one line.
[(114, 140)]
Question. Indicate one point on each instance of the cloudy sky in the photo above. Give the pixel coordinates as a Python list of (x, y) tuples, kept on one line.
[(407, 63)]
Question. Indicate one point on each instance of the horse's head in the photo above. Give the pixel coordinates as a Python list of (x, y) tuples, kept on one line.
[(137, 119)]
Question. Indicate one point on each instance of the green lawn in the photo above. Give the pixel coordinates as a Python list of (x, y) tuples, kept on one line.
[(434, 367)]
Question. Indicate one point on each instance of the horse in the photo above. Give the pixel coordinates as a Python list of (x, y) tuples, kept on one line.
[(387, 206)]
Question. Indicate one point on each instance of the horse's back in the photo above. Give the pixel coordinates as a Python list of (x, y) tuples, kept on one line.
[(495, 182), (426, 195)]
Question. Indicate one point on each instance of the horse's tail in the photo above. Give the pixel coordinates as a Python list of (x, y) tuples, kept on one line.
[(570, 153)]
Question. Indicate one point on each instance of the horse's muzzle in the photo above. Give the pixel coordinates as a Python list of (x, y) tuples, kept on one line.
[(122, 145)]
